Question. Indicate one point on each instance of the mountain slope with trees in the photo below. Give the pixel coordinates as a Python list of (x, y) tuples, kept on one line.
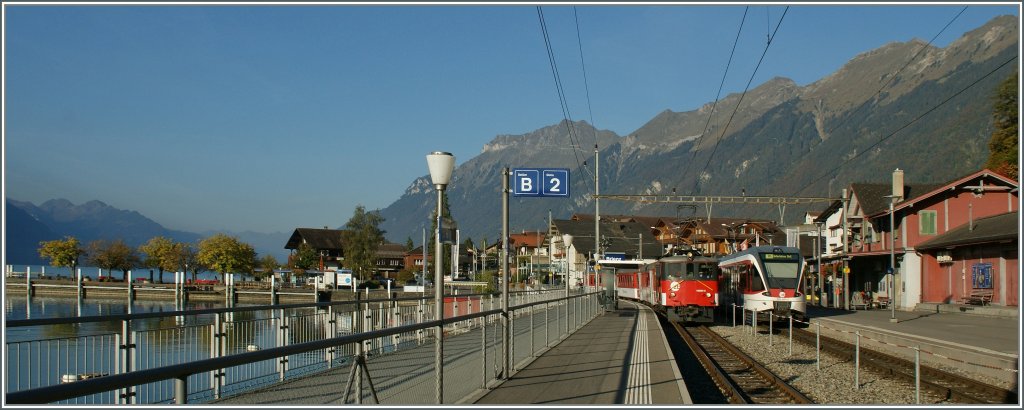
[(908, 105)]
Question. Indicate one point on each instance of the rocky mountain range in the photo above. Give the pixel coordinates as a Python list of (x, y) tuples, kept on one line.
[(908, 105)]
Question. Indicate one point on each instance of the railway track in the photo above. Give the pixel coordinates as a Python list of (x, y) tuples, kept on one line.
[(954, 388), (741, 378)]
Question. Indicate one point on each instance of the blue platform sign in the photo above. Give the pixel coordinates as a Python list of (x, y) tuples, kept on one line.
[(615, 256), (540, 182)]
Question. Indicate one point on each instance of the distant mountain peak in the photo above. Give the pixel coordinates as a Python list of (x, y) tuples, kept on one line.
[(778, 137)]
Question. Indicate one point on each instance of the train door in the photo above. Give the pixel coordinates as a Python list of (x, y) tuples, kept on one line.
[(652, 285)]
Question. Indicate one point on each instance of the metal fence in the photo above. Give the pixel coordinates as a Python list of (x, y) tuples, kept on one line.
[(220, 355)]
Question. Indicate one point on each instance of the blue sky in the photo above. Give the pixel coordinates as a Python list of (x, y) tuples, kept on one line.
[(272, 117)]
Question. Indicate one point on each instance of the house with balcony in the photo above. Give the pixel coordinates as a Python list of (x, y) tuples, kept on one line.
[(329, 245), (719, 236), (326, 242)]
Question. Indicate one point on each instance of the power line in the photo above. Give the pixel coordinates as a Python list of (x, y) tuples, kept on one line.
[(717, 96), (893, 77), (586, 85), (573, 139), (745, 89), (868, 149)]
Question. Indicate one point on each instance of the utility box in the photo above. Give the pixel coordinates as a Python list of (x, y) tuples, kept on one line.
[(611, 302), (336, 279)]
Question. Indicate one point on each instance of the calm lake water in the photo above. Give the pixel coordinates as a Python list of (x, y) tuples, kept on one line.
[(19, 307), (42, 355)]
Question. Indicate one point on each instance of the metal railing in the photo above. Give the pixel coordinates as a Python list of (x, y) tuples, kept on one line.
[(213, 355)]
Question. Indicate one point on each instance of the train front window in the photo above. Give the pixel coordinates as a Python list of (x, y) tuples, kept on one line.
[(674, 271), (704, 271), (781, 269)]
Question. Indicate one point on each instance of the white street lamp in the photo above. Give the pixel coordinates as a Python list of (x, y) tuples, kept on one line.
[(892, 258), (441, 165), (567, 242)]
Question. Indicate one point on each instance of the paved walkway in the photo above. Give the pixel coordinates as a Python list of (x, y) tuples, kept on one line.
[(621, 357), (985, 345), (998, 334)]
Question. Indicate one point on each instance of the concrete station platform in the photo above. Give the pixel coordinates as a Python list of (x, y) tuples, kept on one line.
[(620, 357), (987, 344)]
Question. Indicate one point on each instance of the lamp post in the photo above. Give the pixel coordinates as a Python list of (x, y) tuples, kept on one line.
[(892, 257), (822, 295), (441, 165), (566, 242), (728, 230)]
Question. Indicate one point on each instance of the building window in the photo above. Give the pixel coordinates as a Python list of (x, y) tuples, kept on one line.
[(927, 222)]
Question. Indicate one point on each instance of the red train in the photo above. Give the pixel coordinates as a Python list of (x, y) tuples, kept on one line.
[(689, 287), (684, 286)]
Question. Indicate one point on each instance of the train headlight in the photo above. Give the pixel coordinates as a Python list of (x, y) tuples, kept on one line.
[(673, 294), (782, 294), (708, 294)]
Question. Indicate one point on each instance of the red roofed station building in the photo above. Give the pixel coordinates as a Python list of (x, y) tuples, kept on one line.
[(944, 234)]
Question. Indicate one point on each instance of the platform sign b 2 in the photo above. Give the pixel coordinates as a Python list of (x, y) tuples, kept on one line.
[(540, 182)]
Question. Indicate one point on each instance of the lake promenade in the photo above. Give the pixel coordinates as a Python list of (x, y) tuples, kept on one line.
[(244, 292), (241, 291)]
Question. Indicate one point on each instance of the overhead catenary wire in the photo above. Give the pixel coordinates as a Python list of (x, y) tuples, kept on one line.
[(882, 88), (696, 181), (586, 85), (714, 105), (571, 129), (909, 123), (893, 76)]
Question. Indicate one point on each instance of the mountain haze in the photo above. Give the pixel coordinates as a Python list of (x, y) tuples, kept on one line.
[(28, 224), (885, 109)]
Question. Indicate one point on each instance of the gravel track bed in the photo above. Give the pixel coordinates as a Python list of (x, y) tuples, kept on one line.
[(834, 382)]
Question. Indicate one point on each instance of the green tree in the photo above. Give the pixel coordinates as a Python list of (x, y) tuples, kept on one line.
[(409, 245), (62, 252), (361, 238), (406, 274), (113, 255), (226, 254), (159, 253), (304, 258), (1004, 145), (188, 259), (268, 263)]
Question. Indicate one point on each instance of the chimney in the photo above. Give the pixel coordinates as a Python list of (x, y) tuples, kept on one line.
[(897, 183), (970, 217)]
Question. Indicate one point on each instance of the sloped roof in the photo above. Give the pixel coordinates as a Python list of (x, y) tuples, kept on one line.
[(529, 239), (317, 238), (390, 250), (621, 236), (994, 178), (996, 228), (874, 199)]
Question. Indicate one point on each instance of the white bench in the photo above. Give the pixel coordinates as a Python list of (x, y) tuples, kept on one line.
[(857, 300)]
